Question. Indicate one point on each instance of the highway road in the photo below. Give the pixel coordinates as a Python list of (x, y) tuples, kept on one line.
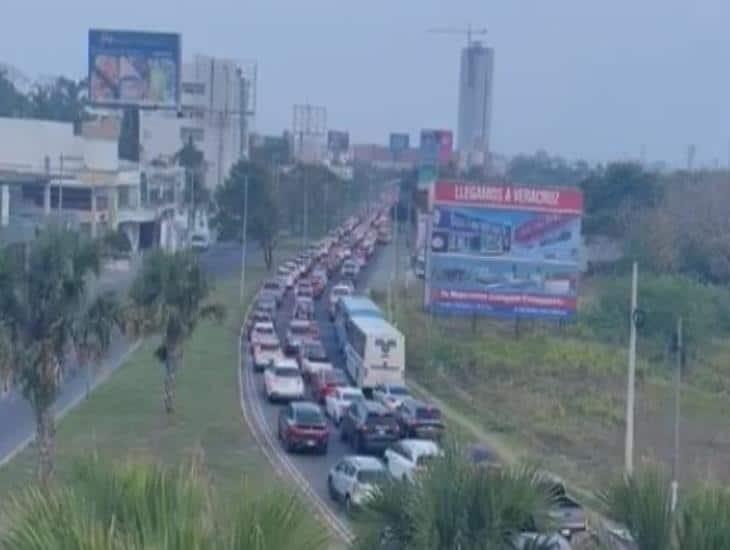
[(308, 470), (17, 426)]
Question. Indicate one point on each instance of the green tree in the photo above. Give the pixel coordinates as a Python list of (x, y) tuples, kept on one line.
[(46, 311), (64, 100), (455, 504), (193, 161), (137, 506), (543, 169), (263, 207), (12, 102), (170, 297)]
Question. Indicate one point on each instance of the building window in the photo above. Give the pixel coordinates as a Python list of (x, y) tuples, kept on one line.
[(193, 88), (186, 133)]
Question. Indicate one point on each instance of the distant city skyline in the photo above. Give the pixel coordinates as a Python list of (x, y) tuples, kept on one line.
[(577, 79)]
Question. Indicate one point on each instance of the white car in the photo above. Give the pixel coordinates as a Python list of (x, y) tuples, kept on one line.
[(313, 358), (390, 395), (405, 457), (337, 402), (337, 292), (353, 479), (266, 353), (528, 540), (263, 332), (282, 381)]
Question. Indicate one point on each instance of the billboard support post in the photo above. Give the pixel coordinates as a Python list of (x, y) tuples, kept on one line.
[(630, 390)]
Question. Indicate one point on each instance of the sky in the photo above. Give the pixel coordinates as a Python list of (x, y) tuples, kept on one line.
[(581, 78)]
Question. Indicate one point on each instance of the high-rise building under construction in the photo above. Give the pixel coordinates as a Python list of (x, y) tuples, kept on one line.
[(475, 102)]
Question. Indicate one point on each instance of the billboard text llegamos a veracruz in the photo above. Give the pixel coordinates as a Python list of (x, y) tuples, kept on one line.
[(504, 251), (129, 68)]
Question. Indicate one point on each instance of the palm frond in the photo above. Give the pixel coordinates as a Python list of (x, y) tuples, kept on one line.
[(704, 519)]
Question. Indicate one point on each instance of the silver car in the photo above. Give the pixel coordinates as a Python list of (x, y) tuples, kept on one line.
[(354, 478)]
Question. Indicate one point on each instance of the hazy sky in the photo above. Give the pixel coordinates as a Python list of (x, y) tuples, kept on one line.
[(582, 78)]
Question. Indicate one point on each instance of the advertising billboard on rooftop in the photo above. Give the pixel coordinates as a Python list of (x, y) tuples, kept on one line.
[(504, 251), (138, 69)]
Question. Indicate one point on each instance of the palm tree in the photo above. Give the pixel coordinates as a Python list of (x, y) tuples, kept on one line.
[(43, 294), (133, 506), (169, 297), (455, 504)]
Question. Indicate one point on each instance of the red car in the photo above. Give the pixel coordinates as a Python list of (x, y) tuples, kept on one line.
[(302, 426), (324, 383)]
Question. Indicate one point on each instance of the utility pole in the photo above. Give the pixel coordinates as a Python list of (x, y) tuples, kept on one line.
[(633, 317), (60, 188), (679, 351), (244, 239)]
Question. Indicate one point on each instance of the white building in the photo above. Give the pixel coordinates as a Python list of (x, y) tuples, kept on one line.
[(216, 106), (475, 104), (49, 174)]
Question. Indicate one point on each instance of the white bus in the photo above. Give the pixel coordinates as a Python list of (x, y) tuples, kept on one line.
[(375, 352), (349, 307)]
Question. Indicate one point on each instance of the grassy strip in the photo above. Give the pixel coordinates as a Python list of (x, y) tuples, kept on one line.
[(124, 417)]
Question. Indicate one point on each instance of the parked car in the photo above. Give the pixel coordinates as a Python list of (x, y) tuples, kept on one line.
[(325, 381), (282, 381), (265, 354), (299, 330), (276, 289), (419, 419), (304, 290), (312, 358), (336, 402), (567, 515), (257, 316), (350, 269), (338, 291), (287, 274), (263, 332), (267, 302), (407, 456), (302, 426), (390, 395), (304, 308), (200, 242), (368, 426), (354, 478)]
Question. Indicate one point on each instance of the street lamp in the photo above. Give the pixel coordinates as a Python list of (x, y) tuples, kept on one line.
[(243, 241)]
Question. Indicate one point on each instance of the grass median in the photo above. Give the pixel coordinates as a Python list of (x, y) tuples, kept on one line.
[(124, 417)]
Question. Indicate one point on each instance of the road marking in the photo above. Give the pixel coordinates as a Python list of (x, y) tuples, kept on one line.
[(259, 427), (75, 402)]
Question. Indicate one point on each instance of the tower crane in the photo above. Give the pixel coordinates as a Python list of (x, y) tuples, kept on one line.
[(469, 31)]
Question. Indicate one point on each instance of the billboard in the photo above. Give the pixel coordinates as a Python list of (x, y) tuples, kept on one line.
[(399, 143), (504, 251), (128, 68), (338, 142), (436, 147)]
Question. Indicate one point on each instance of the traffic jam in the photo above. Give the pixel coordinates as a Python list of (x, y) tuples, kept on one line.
[(358, 396)]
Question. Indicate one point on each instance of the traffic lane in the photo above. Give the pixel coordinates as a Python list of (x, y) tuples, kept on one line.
[(17, 422), (315, 468)]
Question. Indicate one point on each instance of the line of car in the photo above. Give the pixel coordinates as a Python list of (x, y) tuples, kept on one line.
[(402, 432)]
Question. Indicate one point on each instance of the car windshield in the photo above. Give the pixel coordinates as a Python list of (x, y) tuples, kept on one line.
[(265, 330), (299, 329), (335, 378), (286, 372), (378, 419), (371, 476), (351, 396), (428, 413), (270, 347), (316, 353), (309, 416), (398, 391), (271, 286)]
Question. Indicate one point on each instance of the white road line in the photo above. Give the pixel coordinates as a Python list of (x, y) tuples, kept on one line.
[(102, 378), (259, 427)]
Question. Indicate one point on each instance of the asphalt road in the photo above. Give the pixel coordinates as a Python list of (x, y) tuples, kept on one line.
[(312, 467), (17, 426)]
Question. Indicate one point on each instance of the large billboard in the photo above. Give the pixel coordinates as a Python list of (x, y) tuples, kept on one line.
[(129, 68), (338, 142), (504, 251), (399, 143), (436, 147)]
